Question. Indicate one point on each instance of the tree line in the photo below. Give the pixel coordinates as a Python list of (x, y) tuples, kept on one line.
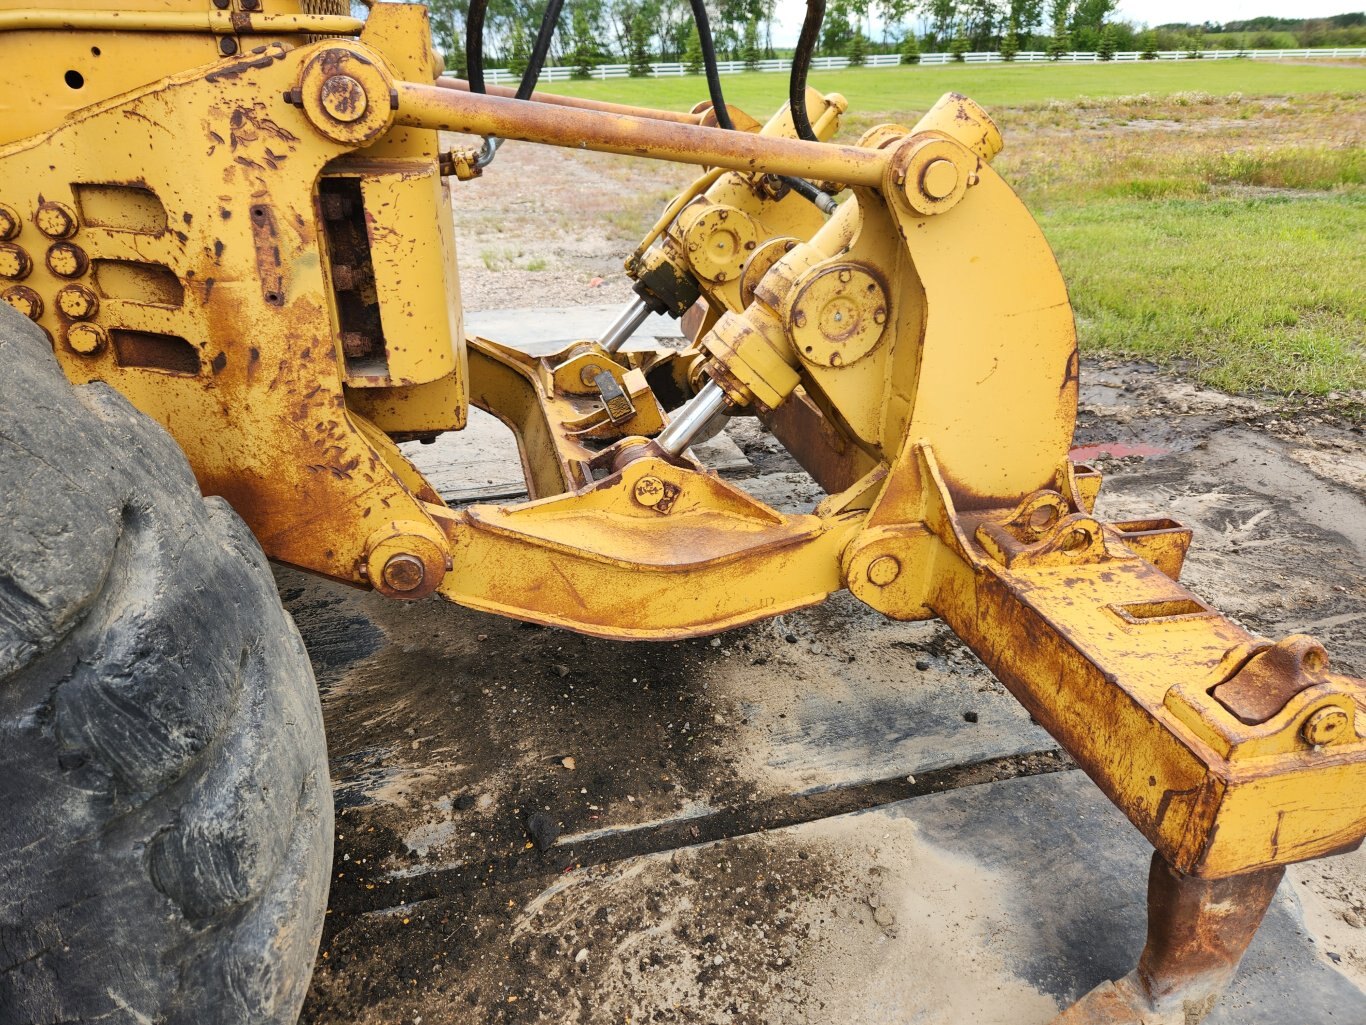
[(639, 32)]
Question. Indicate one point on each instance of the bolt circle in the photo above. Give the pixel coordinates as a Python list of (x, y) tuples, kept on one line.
[(15, 264), (10, 224), (1325, 726), (344, 99), (55, 220), (86, 339), (649, 491), (404, 572), (939, 179), (66, 260), (77, 302), (25, 300), (883, 570)]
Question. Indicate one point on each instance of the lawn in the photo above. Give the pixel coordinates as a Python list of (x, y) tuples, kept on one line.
[(1207, 215)]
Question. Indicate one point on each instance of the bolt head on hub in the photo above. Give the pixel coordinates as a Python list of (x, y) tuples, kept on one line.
[(1325, 726), (344, 98), (404, 572)]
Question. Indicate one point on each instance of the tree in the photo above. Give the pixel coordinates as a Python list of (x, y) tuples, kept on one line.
[(638, 54), (858, 49), (1108, 45), (910, 49), (1025, 15), (959, 47), (520, 56), (1149, 44), (837, 32), (749, 49), (1010, 45), (692, 56), (942, 16), (585, 49), (1061, 39)]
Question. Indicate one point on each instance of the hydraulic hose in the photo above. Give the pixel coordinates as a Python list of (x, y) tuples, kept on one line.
[(474, 45), (549, 21), (718, 102), (801, 64)]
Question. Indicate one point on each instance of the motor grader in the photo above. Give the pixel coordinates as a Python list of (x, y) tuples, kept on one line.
[(232, 219)]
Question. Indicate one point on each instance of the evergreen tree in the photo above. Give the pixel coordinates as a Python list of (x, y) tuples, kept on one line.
[(1149, 44), (520, 55), (858, 49), (1108, 44), (959, 47), (1194, 44), (638, 53), (584, 51), (1060, 42), (749, 48), (692, 56), (1010, 45), (910, 49)]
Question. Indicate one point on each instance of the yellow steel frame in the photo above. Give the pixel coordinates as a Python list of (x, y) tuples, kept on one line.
[(256, 249)]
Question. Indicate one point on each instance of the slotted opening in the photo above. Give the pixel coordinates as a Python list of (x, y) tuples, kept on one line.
[(169, 353), (1171, 610), (121, 207), (74, 79), (149, 283)]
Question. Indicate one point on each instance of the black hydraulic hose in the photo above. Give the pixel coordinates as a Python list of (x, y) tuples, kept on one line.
[(718, 102), (801, 64), (474, 45), (549, 21)]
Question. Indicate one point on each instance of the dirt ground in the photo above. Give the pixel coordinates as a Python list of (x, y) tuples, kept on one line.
[(535, 826)]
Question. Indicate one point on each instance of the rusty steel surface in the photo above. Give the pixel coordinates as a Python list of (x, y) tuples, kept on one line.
[(257, 251), (446, 110), (507, 92)]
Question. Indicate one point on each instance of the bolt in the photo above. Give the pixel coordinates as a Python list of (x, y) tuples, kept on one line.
[(66, 260), (939, 179), (1325, 725), (15, 264), (845, 276), (251, 5), (344, 98), (227, 46), (77, 302), (25, 300), (880, 315), (649, 491), (589, 374), (55, 220), (883, 570), (10, 224), (404, 572), (86, 339)]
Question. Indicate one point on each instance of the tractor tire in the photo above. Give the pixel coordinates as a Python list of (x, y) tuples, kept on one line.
[(165, 804)]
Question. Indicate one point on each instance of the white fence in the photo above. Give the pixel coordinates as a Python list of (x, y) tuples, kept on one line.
[(501, 76)]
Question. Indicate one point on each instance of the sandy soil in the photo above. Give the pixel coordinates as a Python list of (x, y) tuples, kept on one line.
[(494, 780)]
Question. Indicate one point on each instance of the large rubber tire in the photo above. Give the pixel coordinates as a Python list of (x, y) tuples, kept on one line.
[(165, 805)]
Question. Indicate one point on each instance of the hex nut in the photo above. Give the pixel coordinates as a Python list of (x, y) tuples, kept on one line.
[(25, 300), (10, 224), (66, 260), (15, 263), (1325, 726), (86, 339), (77, 302), (55, 220)]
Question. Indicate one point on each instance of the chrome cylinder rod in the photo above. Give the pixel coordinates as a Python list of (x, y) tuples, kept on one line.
[(693, 418), (635, 314)]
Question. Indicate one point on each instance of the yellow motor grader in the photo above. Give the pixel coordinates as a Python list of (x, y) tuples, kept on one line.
[(232, 219)]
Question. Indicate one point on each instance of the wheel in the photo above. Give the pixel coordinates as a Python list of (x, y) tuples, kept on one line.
[(165, 805)]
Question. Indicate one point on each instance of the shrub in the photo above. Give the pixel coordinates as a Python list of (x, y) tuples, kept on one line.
[(959, 47), (1010, 45), (910, 49), (1149, 47), (858, 49), (1106, 50)]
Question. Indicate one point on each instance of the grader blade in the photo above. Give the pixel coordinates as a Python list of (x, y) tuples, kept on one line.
[(257, 251)]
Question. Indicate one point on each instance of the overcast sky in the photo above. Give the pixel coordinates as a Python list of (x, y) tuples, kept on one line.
[(1151, 12)]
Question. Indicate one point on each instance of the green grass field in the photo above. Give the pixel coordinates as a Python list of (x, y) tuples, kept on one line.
[(1207, 215), (915, 88)]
